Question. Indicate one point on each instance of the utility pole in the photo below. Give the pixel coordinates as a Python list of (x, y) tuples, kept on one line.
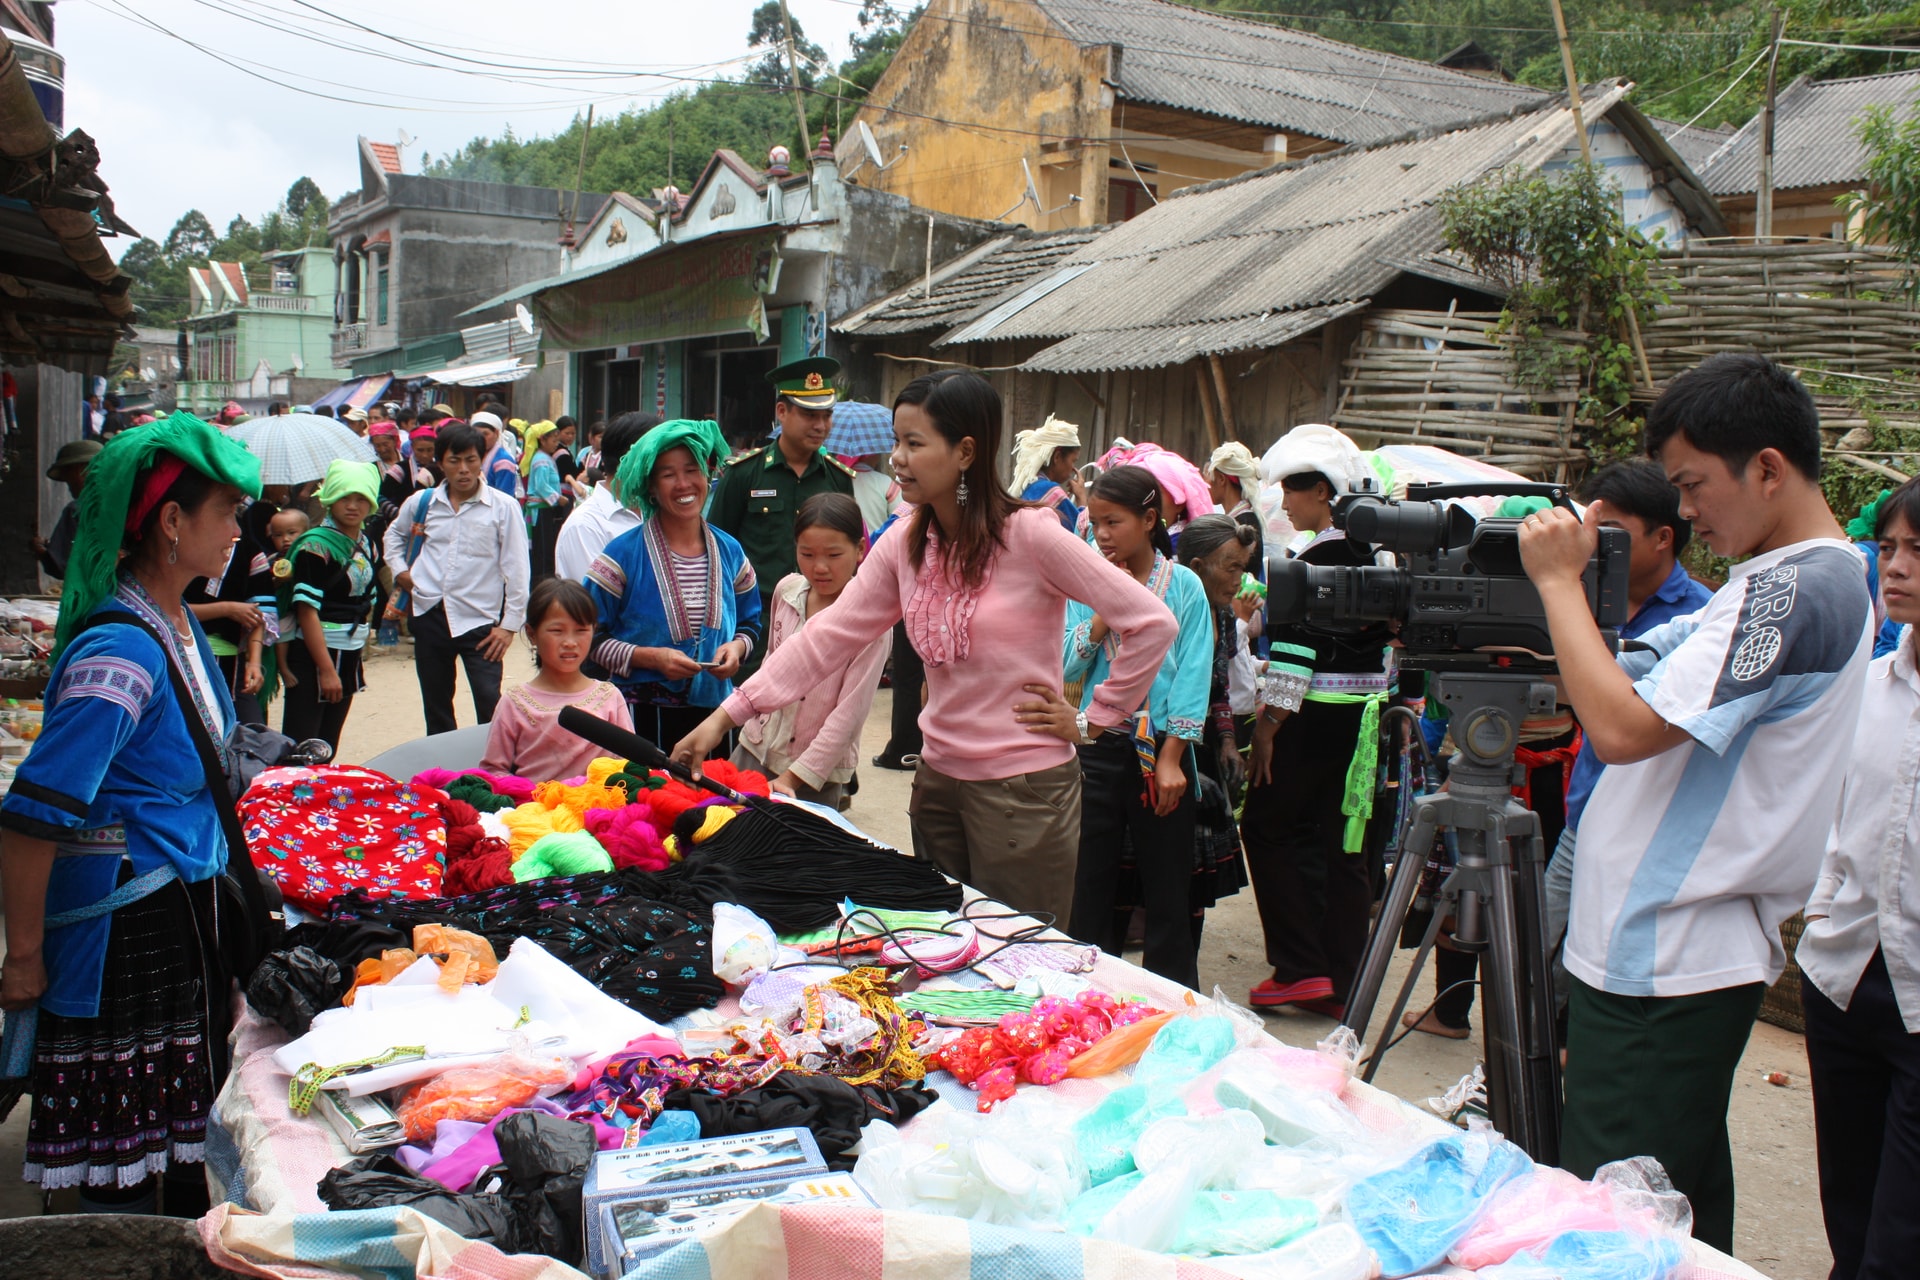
[(1763, 198), (1573, 81), (793, 71)]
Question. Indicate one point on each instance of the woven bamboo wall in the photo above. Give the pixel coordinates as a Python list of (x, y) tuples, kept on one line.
[(1433, 377)]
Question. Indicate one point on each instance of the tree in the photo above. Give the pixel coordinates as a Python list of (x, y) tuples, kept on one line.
[(303, 195), (769, 29), (1889, 210), (191, 237)]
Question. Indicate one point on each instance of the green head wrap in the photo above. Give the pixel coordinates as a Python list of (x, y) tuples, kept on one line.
[(1860, 528), (346, 478), (109, 497), (1519, 508), (633, 483)]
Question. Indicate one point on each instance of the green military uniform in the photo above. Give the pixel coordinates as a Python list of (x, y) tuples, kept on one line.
[(758, 494)]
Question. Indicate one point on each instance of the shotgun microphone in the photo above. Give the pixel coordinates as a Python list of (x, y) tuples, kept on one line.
[(616, 741)]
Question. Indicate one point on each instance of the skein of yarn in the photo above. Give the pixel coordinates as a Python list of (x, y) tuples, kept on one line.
[(564, 853)]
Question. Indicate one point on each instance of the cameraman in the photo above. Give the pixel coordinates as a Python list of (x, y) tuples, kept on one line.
[(1705, 830)]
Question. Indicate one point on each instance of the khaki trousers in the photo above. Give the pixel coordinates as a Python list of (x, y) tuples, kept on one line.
[(1016, 839)]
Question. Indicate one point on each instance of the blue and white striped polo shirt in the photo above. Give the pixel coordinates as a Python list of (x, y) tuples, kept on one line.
[(1690, 860)]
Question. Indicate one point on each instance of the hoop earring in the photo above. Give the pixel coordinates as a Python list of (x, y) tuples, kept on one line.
[(961, 494), (173, 552)]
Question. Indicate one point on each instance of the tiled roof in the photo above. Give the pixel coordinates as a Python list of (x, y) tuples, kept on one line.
[(387, 154), (236, 276), (963, 287), (1178, 56), (1815, 137), (1695, 143)]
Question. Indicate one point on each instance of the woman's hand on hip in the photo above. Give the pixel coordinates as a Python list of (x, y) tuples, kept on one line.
[(671, 663), (1051, 713), (23, 980)]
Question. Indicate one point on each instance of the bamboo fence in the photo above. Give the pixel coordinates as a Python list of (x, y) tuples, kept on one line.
[(1844, 307), (1431, 377)]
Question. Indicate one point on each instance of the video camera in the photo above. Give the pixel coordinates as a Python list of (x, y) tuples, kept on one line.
[(1459, 592)]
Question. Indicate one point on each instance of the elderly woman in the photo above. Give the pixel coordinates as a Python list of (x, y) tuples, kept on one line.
[(678, 601), (116, 999), (1046, 462), (548, 497), (335, 571)]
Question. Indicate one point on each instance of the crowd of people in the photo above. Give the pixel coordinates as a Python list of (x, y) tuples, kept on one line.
[(1087, 692)]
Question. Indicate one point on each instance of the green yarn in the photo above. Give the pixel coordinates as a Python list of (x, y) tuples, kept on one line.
[(476, 792), (1860, 528), (1520, 508), (564, 853), (635, 782)]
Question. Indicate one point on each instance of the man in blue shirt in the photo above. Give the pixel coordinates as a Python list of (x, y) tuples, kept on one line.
[(1634, 495)]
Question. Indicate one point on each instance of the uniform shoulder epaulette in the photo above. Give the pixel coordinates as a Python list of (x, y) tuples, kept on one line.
[(742, 457), (841, 465)]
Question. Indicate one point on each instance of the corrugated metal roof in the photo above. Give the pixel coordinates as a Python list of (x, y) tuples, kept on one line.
[(967, 285), (1321, 231), (1177, 56), (1814, 134), (1100, 349), (1695, 143)]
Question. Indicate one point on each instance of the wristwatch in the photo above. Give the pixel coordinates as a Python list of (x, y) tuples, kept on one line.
[(1080, 724)]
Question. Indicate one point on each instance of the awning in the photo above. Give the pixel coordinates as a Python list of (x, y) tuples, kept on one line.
[(357, 394), (485, 373)]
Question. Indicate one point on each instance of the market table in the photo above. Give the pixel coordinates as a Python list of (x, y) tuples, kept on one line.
[(271, 1161)]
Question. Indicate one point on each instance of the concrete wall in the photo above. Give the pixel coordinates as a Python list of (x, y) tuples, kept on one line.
[(1645, 206), (1002, 63), (444, 263)]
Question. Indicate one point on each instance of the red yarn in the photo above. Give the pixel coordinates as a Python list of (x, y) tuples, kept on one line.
[(459, 813), (488, 864), (629, 836), (745, 781)]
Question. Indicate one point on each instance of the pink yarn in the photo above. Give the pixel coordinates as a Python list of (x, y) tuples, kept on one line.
[(629, 836), (515, 788)]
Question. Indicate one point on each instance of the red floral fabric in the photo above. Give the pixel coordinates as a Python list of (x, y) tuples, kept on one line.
[(320, 831)]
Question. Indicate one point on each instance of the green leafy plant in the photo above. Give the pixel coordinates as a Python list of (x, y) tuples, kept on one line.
[(1889, 209), (1559, 248)]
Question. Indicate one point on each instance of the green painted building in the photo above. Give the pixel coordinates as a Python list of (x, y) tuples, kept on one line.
[(260, 333)]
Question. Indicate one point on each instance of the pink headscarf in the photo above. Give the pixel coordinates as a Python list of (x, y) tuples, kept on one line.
[(1176, 475)]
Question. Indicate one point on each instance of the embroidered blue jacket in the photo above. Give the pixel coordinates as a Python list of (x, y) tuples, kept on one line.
[(633, 592), (114, 753), (1177, 703)]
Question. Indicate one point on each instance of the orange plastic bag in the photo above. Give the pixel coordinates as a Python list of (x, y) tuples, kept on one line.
[(463, 957), (373, 973), (1121, 1047), (481, 1092)]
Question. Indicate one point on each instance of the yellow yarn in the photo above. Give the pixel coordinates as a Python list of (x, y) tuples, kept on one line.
[(531, 821), (715, 816), (603, 768), (578, 799)]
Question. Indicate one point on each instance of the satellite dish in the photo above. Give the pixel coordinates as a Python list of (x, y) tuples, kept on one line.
[(175, 362), (524, 316), (298, 363), (146, 373), (1033, 194), (871, 143)]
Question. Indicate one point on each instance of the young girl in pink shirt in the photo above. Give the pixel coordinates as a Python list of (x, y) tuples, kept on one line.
[(525, 737), (809, 749), (982, 581)]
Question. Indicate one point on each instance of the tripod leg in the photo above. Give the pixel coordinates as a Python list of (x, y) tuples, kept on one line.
[(1393, 914), (1535, 949), (1512, 1102), (1405, 997)]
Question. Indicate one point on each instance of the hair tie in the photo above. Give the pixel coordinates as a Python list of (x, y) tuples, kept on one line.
[(159, 480)]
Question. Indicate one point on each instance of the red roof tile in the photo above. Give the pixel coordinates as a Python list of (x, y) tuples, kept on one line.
[(235, 276), (387, 154)]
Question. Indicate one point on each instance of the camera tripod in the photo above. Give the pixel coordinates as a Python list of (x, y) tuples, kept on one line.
[(1496, 894)]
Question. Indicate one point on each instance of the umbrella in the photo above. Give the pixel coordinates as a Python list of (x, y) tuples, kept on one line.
[(860, 429), (296, 447)]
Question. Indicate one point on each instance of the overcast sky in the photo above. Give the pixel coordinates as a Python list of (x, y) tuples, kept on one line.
[(179, 129)]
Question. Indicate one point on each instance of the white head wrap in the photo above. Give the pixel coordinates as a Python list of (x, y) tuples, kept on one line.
[(1033, 449), (1233, 459), (1315, 447)]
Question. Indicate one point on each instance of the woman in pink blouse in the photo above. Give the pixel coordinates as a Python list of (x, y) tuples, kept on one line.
[(982, 581)]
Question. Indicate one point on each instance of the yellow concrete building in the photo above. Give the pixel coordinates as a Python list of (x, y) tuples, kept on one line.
[(1071, 113)]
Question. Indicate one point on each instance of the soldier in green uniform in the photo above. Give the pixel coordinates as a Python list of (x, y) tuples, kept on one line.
[(760, 491)]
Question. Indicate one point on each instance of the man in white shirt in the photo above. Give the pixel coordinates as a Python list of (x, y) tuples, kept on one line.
[(601, 517), (1704, 832), (466, 578), (1860, 955)]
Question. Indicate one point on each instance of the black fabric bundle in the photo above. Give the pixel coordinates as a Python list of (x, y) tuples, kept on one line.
[(793, 869), (615, 929), (295, 986), (532, 1204), (833, 1110)]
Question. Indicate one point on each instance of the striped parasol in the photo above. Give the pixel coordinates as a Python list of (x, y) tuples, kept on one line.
[(296, 447)]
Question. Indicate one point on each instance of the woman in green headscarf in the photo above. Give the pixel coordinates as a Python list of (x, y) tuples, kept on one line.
[(332, 569), (678, 605), (116, 1000)]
